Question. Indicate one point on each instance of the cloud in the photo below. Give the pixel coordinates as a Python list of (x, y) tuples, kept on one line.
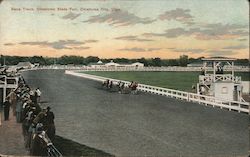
[(187, 50), (9, 44), (71, 16), (40, 43), (61, 44), (81, 48), (153, 49), (176, 32), (91, 41), (237, 47), (132, 38), (136, 49), (219, 31), (121, 18), (179, 14), (221, 52), (206, 32), (173, 33), (152, 34), (211, 52)]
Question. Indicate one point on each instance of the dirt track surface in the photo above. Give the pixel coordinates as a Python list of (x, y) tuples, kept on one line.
[(11, 138), (138, 125)]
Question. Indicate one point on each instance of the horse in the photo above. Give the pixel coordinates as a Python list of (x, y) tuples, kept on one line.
[(105, 84)]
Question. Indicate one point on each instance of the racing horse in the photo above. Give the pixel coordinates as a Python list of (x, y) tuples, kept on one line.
[(120, 87), (127, 89), (110, 85)]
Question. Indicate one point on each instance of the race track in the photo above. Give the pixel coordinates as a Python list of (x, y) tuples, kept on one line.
[(138, 125)]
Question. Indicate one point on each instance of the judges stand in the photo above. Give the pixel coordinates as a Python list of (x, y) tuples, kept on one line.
[(218, 79), (7, 82)]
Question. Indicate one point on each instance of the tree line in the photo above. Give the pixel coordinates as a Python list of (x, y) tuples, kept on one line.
[(183, 60)]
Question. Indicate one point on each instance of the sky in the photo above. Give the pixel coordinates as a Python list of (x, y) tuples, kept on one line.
[(125, 28)]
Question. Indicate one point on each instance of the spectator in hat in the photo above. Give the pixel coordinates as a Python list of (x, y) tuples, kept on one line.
[(18, 110), (49, 124), (38, 94), (6, 106), (12, 99)]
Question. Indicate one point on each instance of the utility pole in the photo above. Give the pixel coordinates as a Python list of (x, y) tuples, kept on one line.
[(1, 60), (4, 60)]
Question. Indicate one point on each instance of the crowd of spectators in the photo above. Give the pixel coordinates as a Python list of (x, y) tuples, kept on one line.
[(38, 127)]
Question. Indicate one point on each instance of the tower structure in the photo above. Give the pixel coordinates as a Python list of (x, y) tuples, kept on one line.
[(218, 79)]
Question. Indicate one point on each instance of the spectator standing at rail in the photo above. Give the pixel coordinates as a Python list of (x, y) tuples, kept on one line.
[(12, 100), (40, 118), (27, 122), (6, 106), (18, 110), (50, 124), (39, 145), (38, 93), (33, 97), (27, 129), (25, 108)]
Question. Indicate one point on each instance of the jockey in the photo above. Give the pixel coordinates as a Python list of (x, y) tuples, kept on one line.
[(131, 84), (110, 84), (134, 86), (107, 83)]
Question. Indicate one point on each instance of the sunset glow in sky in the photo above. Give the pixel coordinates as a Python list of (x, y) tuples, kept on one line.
[(125, 28)]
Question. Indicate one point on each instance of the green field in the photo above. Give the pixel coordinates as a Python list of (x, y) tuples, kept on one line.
[(174, 80)]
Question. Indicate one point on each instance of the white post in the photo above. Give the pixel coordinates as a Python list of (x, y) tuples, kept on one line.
[(232, 68), (4, 89), (214, 66), (204, 67)]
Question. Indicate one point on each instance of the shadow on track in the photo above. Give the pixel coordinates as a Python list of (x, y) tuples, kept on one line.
[(70, 148)]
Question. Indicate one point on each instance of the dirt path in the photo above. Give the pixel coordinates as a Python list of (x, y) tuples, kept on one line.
[(11, 138)]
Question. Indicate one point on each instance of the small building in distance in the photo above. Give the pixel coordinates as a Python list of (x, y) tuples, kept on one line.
[(97, 65), (25, 65), (112, 64)]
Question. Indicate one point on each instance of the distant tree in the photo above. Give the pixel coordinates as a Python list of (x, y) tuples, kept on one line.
[(165, 62), (183, 60), (242, 62), (157, 62), (121, 60), (76, 60), (173, 62), (105, 60), (91, 59), (38, 59), (144, 61), (79, 60)]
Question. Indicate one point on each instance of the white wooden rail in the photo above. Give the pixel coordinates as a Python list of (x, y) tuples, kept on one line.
[(164, 68), (208, 78), (191, 97)]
